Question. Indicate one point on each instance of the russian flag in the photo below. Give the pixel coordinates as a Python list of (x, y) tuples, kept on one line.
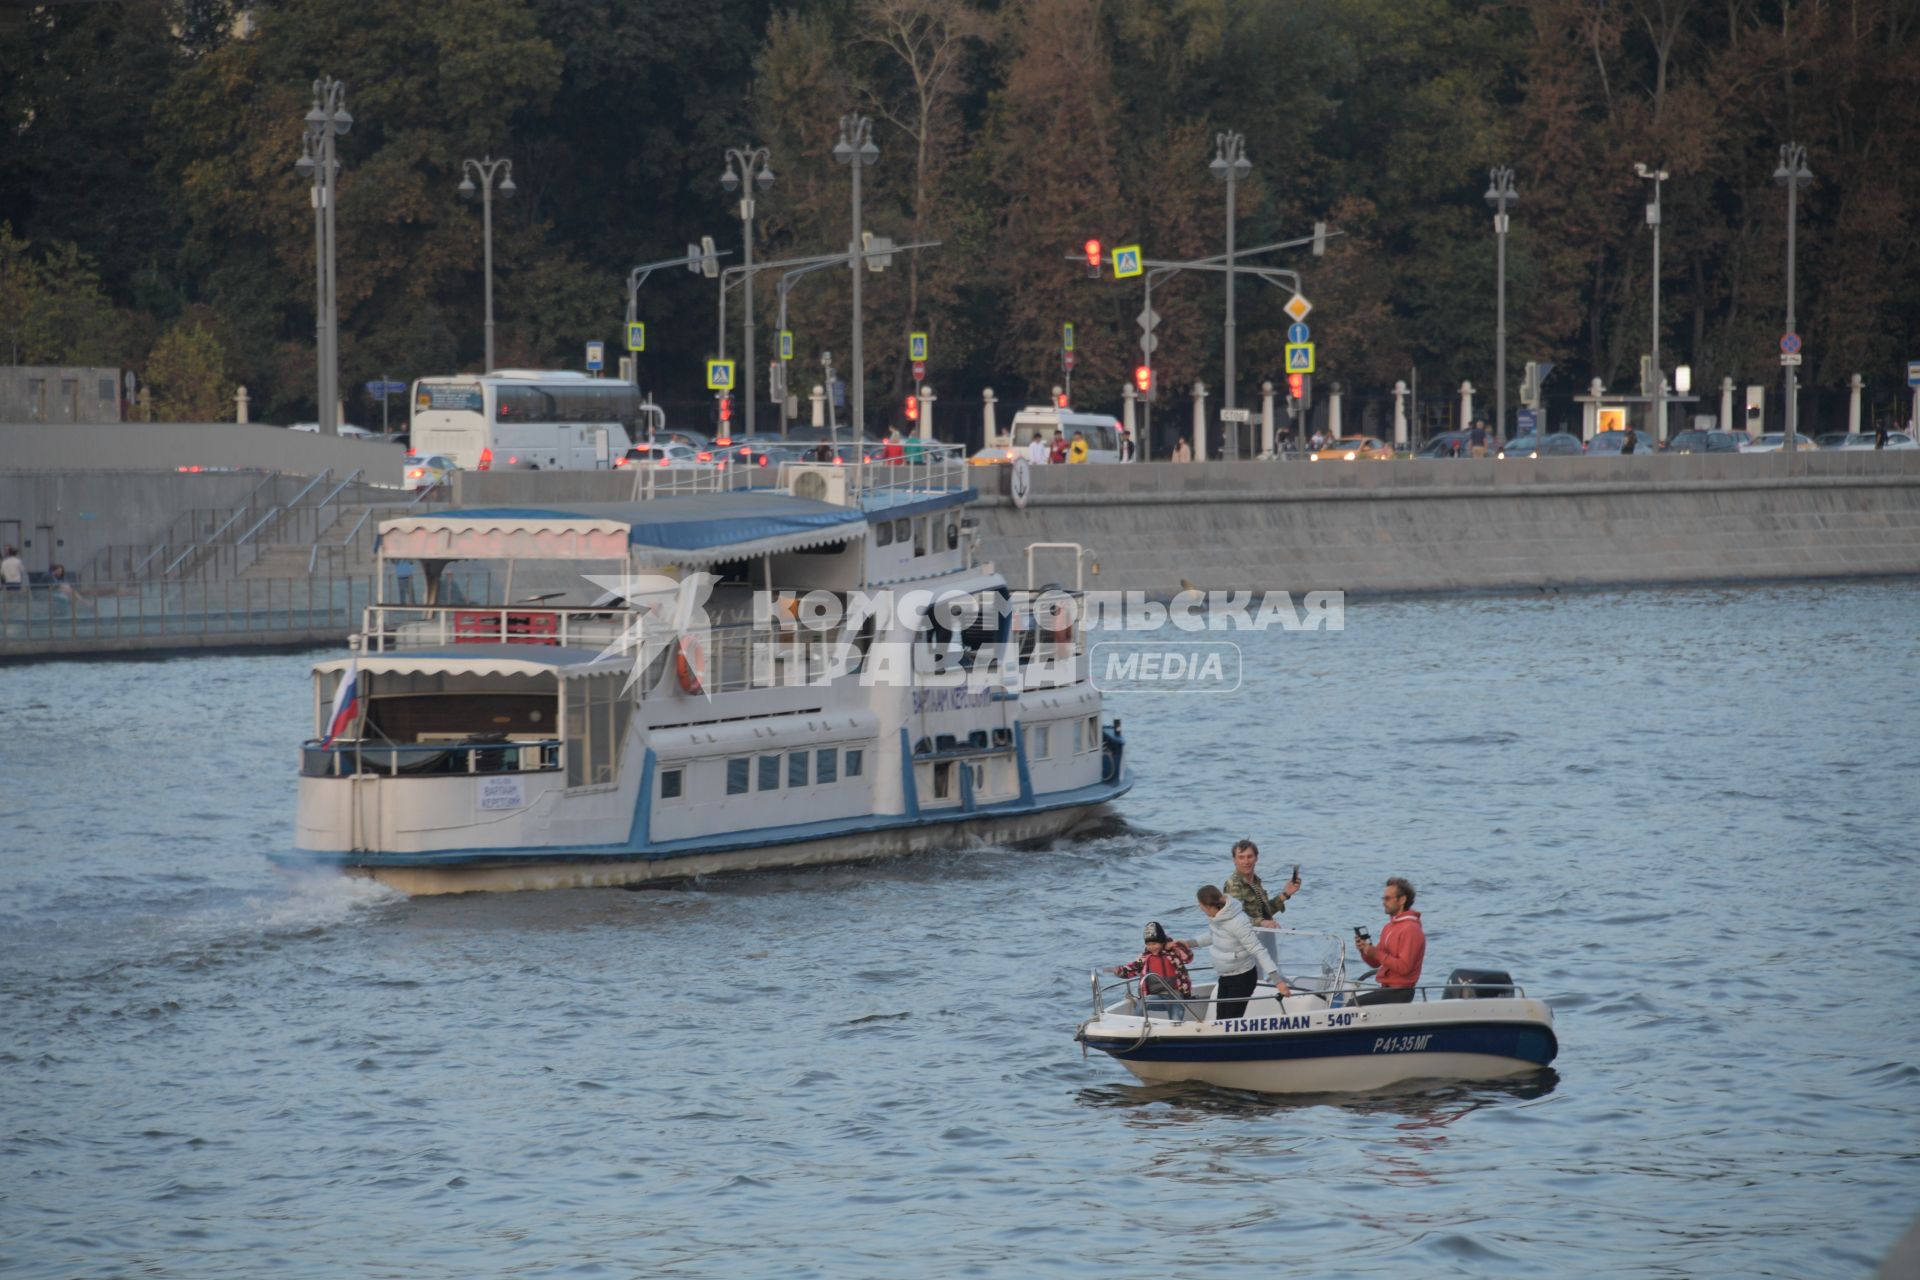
[(346, 704)]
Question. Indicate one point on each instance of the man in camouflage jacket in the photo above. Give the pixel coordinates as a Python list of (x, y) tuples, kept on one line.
[(1245, 885)]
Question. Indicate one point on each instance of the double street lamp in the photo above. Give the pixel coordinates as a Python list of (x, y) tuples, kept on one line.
[(857, 151), (1231, 166), (1656, 177), (485, 170), (1792, 174), (1500, 194), (742, 164), (328, 119)]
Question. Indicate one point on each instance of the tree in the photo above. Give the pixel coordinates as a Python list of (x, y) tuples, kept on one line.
[(53, 310), (187, 374)]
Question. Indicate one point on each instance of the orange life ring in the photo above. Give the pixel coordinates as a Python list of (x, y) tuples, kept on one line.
[(688, 663)]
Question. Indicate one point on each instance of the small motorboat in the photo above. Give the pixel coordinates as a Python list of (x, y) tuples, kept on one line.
[(1479, 1025)]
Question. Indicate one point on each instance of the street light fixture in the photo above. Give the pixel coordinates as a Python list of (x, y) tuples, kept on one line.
[(1656, 177), (329, 119), (1231, 166), (856, 150), (1500, 194), (741, 162), (485, 170), (1792, 174)]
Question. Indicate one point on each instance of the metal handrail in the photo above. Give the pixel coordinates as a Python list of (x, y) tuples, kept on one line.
[(313, 558), (393, 753), (258, 525)]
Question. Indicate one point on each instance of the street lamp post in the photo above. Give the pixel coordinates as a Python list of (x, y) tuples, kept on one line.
[(1792, 174), (1500, 194), (328, 119), (485, 170), (1230, 165), (1656, 177), (742, 165), (856, 150)]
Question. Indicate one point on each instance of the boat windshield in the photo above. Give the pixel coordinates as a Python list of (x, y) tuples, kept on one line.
[(1310, 961)]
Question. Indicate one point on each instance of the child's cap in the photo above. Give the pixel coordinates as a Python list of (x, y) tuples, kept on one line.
[(1155, 933)]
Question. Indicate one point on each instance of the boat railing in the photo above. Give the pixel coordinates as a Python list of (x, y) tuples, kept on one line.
[(485, 754), (923, 467), (388, 627)]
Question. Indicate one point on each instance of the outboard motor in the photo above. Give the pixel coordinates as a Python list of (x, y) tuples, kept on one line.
[(1478, 984)]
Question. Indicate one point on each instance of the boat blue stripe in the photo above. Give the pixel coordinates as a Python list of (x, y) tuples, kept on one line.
[(725, 842), (1525, 1041)]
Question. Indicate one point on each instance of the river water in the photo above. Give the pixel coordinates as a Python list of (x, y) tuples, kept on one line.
[(1688, 818)]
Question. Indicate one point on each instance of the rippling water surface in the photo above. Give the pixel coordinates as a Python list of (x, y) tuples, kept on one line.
[(1687, 818)]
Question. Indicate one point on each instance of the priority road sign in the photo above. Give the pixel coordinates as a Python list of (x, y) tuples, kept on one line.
[(1299, 357), (917, 347), (1298, 332), (786, 344), (1789, 344), (1126, 261), (1297, 307), (719, 375), (637, 336)]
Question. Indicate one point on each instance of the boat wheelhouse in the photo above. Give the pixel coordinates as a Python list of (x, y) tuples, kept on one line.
[(704, 682)]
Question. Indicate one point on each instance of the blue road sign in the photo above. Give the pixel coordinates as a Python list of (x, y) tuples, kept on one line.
[(1789, 344), (380, 389), (1126, 262), (596, 356), (1298, 332), (1913, 373), (1300, 357), (1526, 421)]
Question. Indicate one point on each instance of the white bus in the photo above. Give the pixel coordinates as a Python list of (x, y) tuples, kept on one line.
[(528, 420)]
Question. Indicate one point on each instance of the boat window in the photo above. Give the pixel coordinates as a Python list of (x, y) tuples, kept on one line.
[(953, 536), (737, 774), (979, 778), (797, 768), (1093, 732), (854, 761), (597, 715), (920, 536), (902, 530), (1043, 742), (942, 779), (670, 784), (769, 773), (826, 765), (883, 534)]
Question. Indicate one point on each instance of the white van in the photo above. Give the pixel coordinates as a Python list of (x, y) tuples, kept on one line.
[(1102, 433), (526, 420)]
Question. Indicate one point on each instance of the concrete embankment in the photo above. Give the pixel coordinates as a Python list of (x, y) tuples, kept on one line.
[(1455, 525), (1471, 524)]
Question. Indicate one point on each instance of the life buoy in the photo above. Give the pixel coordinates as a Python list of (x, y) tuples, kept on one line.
[(688, 663)]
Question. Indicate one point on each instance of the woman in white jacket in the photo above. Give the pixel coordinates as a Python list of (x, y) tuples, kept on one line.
[(1239, 961)]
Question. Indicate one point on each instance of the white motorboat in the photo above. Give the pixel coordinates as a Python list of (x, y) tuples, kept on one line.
[(702, 682), (1479, 1025)]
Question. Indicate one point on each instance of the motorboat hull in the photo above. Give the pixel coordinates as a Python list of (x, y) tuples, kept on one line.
[(1333, 1050)]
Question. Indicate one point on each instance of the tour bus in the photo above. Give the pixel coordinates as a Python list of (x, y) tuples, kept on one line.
[(528, 420), (1103, 433)]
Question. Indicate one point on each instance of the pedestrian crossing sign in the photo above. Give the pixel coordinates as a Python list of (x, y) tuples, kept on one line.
[(637, 336), (786, 344), (1126, 261), (719, 375), (1299, 357), (917, 346)]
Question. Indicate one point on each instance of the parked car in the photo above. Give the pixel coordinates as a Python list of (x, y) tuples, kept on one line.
[(424, 473), (1895, 440), (347, 429), (1555, 444), (1351, 448), (1833, 439), (1608, 444), (665, 454), (1448, 444), (1705, 442), (1772, 441), (995, 456)]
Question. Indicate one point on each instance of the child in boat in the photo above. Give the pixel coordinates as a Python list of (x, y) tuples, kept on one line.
[(1162, 967)]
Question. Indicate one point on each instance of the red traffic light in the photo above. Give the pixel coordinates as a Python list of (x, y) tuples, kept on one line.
[(1093, 254), (1297, 385), (913, 408), (726, 408), (1060, 400), (1143, 379)]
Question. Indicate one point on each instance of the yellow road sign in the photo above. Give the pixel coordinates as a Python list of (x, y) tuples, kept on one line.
[(1126, 261), (719, 375), (1299, 357), (637, 336)]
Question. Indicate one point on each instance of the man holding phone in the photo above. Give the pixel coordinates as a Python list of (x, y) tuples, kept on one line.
[(1245, 887), (1402, 948)]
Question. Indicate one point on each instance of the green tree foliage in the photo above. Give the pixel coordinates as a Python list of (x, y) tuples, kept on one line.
[(148, 179), (187, 375)]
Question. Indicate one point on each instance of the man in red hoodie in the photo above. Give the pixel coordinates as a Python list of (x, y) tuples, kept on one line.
[(1402, 948)]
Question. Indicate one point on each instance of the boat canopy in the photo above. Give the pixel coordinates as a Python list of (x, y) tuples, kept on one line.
[(481, 660), (697, 529)]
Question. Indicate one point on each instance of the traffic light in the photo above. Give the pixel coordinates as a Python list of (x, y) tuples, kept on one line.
[(1143, 379), (1093, 259), (1060, 400), (1297, 385), (726, 408), (913, 408)]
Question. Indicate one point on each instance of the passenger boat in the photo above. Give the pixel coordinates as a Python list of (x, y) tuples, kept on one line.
[(703, 682), (1479, 1025)]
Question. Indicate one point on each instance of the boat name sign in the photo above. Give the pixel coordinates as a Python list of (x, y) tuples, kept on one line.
[(505, 792)]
